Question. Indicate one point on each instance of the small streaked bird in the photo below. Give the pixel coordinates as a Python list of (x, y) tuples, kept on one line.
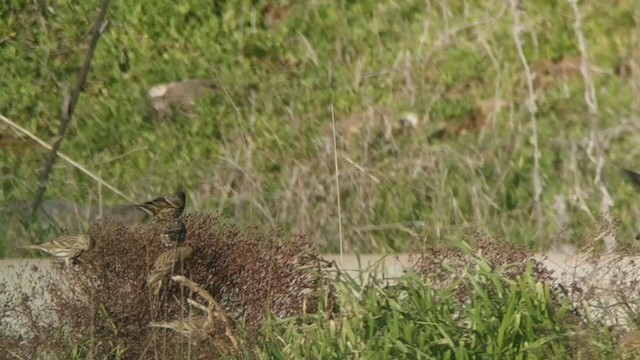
[(164, 265), (67, 247), (174, 232), (192, 325), (166, 207)]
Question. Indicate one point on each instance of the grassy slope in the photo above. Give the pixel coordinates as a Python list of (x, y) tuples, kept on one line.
[(253, 151)]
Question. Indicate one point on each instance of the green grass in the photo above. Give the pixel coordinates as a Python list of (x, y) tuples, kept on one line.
[(500, 319), (261, 134)]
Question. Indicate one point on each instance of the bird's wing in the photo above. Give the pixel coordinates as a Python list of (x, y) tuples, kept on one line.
[(33, 247), (72, 242)]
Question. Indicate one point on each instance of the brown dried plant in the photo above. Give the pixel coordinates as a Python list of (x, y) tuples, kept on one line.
[(445, 264), (203, 327), (249, 273)]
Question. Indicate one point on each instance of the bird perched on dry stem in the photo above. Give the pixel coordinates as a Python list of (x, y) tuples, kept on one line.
[(164, 265), (189, 326), (165, 208), (174, 232), (67, 247)]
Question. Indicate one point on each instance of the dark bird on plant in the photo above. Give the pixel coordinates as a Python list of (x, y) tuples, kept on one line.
[(165, 208), (174, 232), (67, 247), (164, 265)]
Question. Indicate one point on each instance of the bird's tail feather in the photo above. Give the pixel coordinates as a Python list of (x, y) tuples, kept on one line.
[(145, 208), (160, 325), (32, 247)]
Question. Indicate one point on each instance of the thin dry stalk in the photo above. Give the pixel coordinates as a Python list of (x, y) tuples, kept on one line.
[(491, 123), (595, 143), (66, 158), (70, 104), (360, 168), (335, 161), (516, 8), (579, 196)]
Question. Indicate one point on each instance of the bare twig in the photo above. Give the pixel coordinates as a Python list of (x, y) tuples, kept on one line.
[(70, 104), (195, 288), (595, 143), (214, 310), (516, 8), (65, 158)]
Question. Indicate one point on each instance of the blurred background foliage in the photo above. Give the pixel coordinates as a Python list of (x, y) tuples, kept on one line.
[(260, 148)]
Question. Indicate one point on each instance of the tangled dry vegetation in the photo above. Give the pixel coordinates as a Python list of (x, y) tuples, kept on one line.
[(598, 281), (446, 264), (243, 276)]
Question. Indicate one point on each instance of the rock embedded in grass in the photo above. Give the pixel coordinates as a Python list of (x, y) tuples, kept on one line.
[(180, 95)]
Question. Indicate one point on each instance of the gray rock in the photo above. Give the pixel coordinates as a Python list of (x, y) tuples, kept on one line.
[(181, 95)]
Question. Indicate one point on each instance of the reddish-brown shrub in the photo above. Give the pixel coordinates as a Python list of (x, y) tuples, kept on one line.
[(251, 273)]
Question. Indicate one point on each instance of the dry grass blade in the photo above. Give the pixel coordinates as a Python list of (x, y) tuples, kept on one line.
[(335, 160), (193, 325), (214, 310), (66, 158), (595, 144), (532, 108), (67, 111)]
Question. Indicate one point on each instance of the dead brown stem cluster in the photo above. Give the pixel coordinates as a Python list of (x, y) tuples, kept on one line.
[(445, 264), (244, 276)]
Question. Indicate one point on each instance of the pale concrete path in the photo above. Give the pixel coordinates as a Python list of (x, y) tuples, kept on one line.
[(30, 277), (361, 266), (33, 275), (23, 272)]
